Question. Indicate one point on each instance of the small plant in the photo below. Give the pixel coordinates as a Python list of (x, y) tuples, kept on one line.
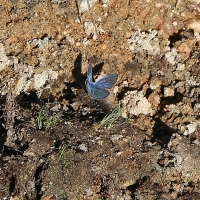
[(62, 195), (52, 120), (110, 119), (62, 153), (46, 120), (40, 119)]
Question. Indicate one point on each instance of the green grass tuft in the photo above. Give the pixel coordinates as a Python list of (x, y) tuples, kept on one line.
[(110, 119), (62, 153), (46, 119)]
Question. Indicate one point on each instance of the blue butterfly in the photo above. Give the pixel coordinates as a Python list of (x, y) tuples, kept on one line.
[(98, 90)]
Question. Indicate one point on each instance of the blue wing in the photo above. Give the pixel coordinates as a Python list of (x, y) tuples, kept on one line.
[(107, 82), (98, 93), (89, 73)]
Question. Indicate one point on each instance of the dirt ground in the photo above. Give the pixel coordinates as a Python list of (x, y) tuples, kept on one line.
[(52, 141)]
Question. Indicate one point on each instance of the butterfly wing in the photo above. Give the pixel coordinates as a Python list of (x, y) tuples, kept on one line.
[(99, 93), (107, 82), (89, 73), (98, 90)]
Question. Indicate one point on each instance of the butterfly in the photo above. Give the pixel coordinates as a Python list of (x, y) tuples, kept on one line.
[(99, 89)]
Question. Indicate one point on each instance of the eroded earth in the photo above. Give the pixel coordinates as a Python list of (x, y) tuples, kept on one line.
[(53, 144)]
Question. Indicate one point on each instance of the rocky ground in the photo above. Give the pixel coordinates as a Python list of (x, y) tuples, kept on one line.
[(53, 142)]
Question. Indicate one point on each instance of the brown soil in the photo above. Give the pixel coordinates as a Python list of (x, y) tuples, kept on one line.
[(45, 46)]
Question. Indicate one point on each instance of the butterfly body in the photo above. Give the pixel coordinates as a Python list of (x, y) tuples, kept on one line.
[(99, 89)]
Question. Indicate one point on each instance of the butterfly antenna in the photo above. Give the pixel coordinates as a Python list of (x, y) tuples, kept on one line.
[(92, 18)]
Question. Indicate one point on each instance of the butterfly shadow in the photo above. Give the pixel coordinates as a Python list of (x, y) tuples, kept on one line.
[(78, 82), (97, 68), (79, 78)]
